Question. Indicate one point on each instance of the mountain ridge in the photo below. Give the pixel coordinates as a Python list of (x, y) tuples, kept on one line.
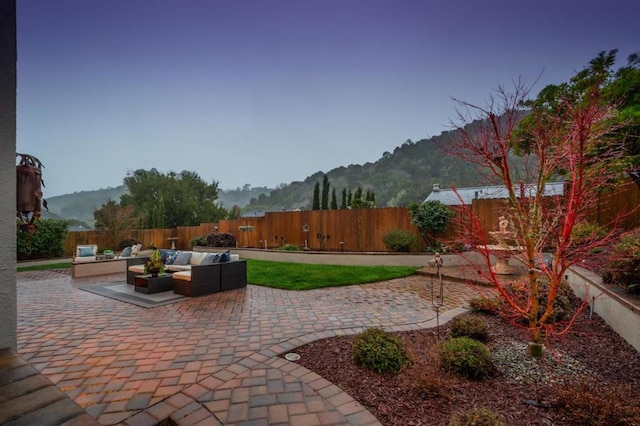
[(397, 178)]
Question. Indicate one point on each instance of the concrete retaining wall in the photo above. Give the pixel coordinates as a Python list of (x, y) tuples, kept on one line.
[(621, 315)]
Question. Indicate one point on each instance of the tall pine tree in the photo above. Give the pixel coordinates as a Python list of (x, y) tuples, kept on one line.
[(316, 197), (325, 192)]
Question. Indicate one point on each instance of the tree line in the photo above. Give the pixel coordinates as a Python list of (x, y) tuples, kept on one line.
[(349, 199)]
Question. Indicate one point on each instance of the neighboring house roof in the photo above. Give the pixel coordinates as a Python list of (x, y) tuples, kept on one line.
[(466, 195)]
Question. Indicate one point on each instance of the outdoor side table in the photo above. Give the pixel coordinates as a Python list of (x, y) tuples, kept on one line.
[(153, 284)]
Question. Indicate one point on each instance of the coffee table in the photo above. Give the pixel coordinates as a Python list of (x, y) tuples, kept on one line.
[(153, 284)]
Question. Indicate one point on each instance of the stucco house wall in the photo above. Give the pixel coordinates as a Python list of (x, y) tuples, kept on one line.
[(8, 55)]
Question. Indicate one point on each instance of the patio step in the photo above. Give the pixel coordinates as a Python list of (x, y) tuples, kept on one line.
[(29, 398)]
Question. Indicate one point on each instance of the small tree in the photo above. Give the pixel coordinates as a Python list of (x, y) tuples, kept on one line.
[(114, 220), (343, 203), (334, 200), (430, 217), (565, 137)]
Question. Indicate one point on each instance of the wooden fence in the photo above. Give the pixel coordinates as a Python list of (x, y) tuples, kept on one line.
[(349, 230)]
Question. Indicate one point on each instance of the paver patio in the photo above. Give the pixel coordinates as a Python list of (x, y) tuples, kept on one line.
[(208, 360)]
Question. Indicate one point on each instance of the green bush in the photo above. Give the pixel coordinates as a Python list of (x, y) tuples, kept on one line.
[(379, 351), (200, 240), (486, 305), (466, 357), (624, 262), (469, 326), (47, 241), (562, 304), (586, 233), (399, 240), (477, 417), (289, 247)]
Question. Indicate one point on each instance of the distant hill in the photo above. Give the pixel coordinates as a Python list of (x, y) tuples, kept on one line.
[(80, 206), (407, 174)]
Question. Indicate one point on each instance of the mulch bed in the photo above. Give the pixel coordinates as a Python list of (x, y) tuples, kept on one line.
[(424, 394)]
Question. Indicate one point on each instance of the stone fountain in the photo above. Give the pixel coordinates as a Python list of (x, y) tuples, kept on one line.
[(502, 251)]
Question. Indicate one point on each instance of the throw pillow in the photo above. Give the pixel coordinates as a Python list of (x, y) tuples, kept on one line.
[(225, 257), (126, 252), (85, 251), (206, 259), (171, 258), (182, 258), (215, 258), (165, 253), (135, 250)]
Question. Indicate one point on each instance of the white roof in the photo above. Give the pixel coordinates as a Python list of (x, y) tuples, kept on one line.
[(466, 195)]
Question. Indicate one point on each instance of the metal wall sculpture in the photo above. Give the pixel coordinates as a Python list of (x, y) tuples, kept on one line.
[(29, 201)]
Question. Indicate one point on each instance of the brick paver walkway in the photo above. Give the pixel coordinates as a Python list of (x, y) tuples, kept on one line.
[(208, 360)]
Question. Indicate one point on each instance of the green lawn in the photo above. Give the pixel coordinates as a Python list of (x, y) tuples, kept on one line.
[(297, 276), (303, 276), (62, 265)]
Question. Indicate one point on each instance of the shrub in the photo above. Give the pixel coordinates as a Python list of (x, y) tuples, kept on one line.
[(466, 357), (486, 305), (428, 383), (624, 263), (221, 239), (290, 247), (477, 417), (379, 351), (597, 403), (562, 304), (587, 233), (399, 240), (47, 241), (200, 240), (469, 326)]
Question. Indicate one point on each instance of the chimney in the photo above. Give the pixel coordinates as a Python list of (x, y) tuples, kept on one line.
[(436, 187)]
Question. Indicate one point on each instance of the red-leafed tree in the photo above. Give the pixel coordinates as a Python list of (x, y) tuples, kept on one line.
[(570, 140)]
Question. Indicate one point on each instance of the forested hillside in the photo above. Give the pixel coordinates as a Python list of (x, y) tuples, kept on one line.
[(407, 174)]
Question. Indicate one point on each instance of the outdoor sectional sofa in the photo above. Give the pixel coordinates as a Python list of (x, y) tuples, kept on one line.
[(199, 276)]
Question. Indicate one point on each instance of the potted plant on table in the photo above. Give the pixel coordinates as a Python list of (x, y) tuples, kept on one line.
[(154, 265)]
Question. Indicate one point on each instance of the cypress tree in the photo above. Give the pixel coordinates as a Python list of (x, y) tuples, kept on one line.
[(334, 200), (343, 204), (316, 197), (325, 193)]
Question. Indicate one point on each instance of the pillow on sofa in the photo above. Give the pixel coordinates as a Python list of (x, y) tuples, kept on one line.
[(126, 252), (171, 258), (182, 258), (196, 258), (215, 258), (206, 259), (135, 250), (86, 251), (225, 257)]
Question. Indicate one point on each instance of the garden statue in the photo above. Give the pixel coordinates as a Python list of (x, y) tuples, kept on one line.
[(29, 201)]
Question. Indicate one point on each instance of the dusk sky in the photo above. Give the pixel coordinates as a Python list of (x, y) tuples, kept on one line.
[(270, 92)]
